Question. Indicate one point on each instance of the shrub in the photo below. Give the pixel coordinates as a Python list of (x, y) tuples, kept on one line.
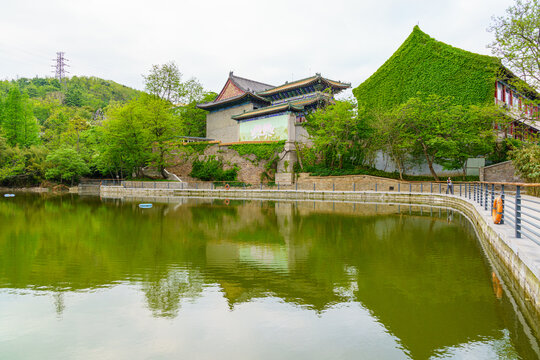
[(212, 170)]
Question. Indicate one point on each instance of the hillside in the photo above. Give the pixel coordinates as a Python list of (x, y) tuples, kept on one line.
[(83, 91)]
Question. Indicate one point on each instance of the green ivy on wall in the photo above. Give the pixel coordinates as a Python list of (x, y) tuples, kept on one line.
[(427, 66), (262, 151), (192, 147)]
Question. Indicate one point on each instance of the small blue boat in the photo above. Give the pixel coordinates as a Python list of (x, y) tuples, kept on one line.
[(9, 195), (145, 206)]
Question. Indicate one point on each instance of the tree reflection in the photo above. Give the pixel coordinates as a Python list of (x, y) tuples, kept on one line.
[(164, 292), (421, 277)]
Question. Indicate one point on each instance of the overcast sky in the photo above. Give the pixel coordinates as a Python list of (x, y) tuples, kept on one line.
[(269, 41)]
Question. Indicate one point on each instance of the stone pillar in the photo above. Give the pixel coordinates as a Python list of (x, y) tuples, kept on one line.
[(285, 173), (288, 158)]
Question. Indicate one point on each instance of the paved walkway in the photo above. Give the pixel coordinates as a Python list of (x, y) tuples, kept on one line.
[(528, 246)]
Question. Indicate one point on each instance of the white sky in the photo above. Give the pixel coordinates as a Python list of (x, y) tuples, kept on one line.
[(271, 41)]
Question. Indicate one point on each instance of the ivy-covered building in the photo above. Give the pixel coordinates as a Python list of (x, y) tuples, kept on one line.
[(425, 65), (248, 110)]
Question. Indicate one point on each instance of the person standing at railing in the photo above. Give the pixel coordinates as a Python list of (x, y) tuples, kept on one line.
[(449, 186)]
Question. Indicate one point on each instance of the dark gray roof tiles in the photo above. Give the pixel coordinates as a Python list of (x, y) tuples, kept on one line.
[(249, 85)]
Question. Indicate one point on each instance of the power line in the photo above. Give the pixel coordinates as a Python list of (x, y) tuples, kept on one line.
[(60, 71)]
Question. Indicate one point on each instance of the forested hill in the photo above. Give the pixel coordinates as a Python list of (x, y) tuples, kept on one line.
[(90, 92), (61, 131)]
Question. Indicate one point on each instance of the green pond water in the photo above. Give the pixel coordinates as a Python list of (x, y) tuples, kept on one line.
[(84, 278)]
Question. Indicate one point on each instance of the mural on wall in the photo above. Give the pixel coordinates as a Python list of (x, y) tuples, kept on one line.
[(272, 128)]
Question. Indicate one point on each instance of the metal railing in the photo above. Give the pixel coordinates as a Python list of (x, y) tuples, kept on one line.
[(520, 211)]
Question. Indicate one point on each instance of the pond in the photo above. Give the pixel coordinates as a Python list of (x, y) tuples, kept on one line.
[(84, 278)]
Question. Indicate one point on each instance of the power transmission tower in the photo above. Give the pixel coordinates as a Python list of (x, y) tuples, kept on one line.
[(60, 71)]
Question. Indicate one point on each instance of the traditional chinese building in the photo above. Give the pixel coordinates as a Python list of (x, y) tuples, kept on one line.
[(248, 110), (425, 65)]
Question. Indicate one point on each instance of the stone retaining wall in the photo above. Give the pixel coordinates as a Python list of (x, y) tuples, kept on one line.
[(501, 172), (518, 264)]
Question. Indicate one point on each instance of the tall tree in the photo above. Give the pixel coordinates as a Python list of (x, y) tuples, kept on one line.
[(337, 132), (526, 160), (65, 164), (18, 121), (165, 82), (161, 126), (517, 40), (445, 133), (389, 139), (126, 147), (194, 119)]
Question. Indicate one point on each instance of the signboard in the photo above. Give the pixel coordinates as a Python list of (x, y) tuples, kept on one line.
[(271, 128)]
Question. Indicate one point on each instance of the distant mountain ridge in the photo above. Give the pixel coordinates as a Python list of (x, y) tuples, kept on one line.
[(77, 91)]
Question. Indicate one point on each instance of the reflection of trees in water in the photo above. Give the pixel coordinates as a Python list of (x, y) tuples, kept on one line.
[(384, 262), (59, 303), (165, 291)]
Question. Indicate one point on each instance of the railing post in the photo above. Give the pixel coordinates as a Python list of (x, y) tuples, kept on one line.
[(314, 186), (492, 194), (502, 198), (431, 187), (375, 187), (410, 187), (486, 197), (439, 188), (398, 187), (481, 195), (353, 187), (333, 186), (421, 188), (278, 186), (211, 186), (196, 186), (261, 185), (518, 211)]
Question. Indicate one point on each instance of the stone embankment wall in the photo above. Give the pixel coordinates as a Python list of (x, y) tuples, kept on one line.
[(501, 172), (352, 182)]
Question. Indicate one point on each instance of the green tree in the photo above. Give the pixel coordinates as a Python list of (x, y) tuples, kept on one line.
[(74, 96), (11, 161), (526, 159), (192, 118), (165, 82), (388, 138), (126, 147), (160, 126), (445, 133), (76, 126), (18, 121), (337, 133), (517, 41), (65, 164)]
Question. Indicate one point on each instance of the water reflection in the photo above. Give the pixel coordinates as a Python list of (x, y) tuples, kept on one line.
[(419, 273)]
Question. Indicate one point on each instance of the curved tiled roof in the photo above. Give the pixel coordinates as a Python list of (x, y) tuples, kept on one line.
[(268, 110), (305, 82), (209, 105), (249, 85)]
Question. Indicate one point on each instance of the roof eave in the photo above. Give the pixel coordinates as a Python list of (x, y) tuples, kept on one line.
[(269, 111), (210, 105)]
